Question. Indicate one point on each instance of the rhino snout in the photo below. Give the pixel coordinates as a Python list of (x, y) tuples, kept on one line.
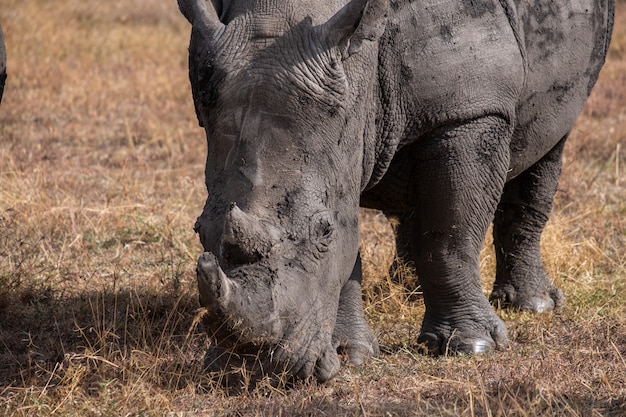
[(239, 301), (250, 326)]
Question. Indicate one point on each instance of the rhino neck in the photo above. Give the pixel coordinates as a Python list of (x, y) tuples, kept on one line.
[(387, 120)]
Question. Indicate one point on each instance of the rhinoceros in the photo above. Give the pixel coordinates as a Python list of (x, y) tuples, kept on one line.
[(449, 116), (3, 64)]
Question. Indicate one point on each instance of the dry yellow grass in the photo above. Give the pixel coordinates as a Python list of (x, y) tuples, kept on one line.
[(101, 165)]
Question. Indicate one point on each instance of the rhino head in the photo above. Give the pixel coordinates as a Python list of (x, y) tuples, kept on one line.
[(280, 89)]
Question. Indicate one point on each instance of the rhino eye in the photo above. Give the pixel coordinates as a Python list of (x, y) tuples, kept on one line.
[(322, 230), (325, 229)]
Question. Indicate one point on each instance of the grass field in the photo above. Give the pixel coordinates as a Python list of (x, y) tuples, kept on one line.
[(101, 179)]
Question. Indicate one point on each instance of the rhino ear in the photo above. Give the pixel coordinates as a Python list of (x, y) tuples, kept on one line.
[(358, 21), (202, 14)]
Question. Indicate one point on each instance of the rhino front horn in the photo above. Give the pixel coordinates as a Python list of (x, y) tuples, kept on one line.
[(215, 288)]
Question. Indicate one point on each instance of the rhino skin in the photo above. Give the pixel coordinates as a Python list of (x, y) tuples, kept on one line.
[(3, 64), (447, 115)]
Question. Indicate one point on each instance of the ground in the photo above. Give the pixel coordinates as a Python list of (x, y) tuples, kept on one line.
[(101, 179)]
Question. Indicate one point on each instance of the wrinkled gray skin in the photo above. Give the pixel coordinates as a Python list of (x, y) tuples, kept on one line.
[(448, 115), (3, 64)]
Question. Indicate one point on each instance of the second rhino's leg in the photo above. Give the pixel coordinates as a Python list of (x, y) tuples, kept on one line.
[(521, 280), (352, 333), (458, 176)]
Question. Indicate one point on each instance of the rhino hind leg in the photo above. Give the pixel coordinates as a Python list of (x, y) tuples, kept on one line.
[(352, 334), (521, 280)]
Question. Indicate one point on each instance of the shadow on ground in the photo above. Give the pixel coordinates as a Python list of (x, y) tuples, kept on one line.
[(41, 335)]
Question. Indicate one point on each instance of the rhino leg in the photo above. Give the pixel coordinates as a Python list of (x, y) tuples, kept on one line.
[(521, 280), (458, 175), (352, 333)]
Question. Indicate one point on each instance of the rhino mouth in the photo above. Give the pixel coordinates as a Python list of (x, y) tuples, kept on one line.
[(243, 365), (251, 334), (248, 363)]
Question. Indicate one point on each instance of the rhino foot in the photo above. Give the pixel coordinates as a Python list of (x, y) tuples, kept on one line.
[(355, 340), (549, 299), (358, 349), (450, 336), (352, 336)]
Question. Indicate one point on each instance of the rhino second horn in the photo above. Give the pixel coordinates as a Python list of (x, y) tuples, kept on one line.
[(251, 237), (215, 288)]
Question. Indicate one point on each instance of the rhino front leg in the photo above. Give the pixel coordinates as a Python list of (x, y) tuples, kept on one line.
[(521, 280), (352, 333), (459, 173)]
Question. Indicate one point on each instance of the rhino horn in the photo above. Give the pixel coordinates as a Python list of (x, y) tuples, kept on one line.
[(215, 288), (201, 14), (359, 20), (246, 238)]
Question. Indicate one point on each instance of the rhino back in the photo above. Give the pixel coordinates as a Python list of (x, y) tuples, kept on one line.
[(441, 63), (565, 43), (457, 60), (532, 63)]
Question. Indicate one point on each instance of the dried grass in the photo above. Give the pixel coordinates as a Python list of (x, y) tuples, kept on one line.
[(101, 165)]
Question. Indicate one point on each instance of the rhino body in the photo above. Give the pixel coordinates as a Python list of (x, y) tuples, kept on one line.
[(448, 115)]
